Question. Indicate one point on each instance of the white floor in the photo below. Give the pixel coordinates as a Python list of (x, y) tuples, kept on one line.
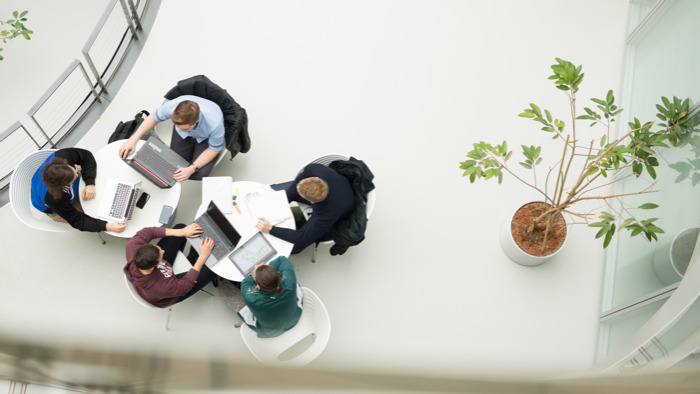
[(407, 87)]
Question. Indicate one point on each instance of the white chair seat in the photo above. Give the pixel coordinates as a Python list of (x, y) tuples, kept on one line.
[(299, 345), (20, 194)]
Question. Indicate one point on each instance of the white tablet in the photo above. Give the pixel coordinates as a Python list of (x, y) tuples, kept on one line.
[(256, 250)]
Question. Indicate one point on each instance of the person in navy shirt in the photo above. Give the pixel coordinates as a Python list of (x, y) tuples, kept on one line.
[(328, 193)]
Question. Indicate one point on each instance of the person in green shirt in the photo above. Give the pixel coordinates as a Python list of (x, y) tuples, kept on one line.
[(270, 292)]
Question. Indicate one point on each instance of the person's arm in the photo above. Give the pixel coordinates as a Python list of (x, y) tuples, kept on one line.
[(184, 173), (206, 245), (78, 220), (313, 229), (191, 231), (88, 164), (142, 237), (129, 146), (285, 268)]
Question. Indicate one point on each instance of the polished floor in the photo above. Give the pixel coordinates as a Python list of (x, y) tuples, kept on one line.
[(406, 87)]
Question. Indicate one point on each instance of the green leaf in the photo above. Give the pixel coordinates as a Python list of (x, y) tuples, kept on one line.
[(529, 167), (648, 206), (625, 223), (651, 171), (608, 237)]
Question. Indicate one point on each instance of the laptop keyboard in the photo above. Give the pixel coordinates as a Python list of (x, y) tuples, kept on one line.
[(121, 198), (157, 163), (221, 245)]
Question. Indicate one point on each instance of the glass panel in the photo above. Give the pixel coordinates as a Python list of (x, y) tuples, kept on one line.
[(664, 63), (620, 328), (639, 9)]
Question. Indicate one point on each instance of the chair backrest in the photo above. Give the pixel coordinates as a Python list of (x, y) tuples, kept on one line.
[(299, 345), (20, 194), (136, 295), (328, 159)]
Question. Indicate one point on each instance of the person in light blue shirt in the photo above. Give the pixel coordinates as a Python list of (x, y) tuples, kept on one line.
[(198, 134)]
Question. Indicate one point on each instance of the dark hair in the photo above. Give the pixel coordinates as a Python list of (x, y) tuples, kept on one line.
[(56, 175), (146, 256), (268, 278), (187, 112)]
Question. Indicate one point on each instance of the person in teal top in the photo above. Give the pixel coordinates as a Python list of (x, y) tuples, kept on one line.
[(271, 294)]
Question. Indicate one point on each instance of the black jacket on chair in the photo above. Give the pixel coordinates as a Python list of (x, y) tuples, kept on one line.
[(235, 116), (351, 231)]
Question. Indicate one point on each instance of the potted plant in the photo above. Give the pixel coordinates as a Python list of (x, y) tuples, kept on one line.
[(584, 168)]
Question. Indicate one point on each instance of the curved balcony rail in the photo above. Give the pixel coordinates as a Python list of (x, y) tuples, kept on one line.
[(67, 101), (670, 335)]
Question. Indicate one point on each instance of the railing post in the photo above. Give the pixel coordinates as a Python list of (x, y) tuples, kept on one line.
[(135, 15), (127, 15), (89, 83), (43, 132), (91, 64)]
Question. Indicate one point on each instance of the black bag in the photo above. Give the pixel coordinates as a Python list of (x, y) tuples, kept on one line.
[(124, 130)]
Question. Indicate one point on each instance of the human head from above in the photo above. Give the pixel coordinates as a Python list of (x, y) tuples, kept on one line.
[(267, 278), (313, 189), (58, 174), (148, 256), (186, 115)]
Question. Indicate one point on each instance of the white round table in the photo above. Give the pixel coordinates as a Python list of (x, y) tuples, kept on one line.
[(246, 226), (110, 165)]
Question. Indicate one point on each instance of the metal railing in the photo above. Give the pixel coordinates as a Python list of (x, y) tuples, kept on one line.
[(67, 100)]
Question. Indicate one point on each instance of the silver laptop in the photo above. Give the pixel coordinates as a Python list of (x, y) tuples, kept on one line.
[(254, 251), (215, 226), (119, 200)]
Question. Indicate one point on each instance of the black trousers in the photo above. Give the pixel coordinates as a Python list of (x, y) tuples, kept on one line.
[(190, 150), (172, 245)]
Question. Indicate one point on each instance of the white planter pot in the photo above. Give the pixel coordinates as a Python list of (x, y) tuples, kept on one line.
[(666, 268), (511, 249)]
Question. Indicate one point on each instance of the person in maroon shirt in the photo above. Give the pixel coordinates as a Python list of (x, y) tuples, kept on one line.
[(150, 269)]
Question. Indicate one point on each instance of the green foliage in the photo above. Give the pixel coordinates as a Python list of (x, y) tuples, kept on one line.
[(674, 115), (635, 150), (606, 106), (608, 221), (17, 28), (485, 161), (566, 76)]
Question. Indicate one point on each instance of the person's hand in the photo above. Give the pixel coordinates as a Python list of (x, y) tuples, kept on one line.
[(191, 231), (206, 245), (127, 148), (89, 192), (264, 226), (116, 227), (183, 173)]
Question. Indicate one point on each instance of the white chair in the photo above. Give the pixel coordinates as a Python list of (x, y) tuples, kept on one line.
[(20, 195), (327, 160), (299, 345), (179, 265)]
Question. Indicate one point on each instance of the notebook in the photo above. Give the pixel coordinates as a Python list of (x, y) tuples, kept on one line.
[(254, 251), (121, 205), (157, 162), (219, 229)]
